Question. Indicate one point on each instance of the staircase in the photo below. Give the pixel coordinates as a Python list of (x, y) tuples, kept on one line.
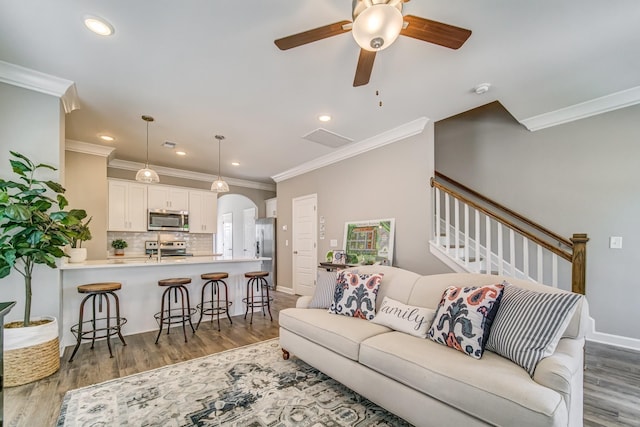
[(473, 233)]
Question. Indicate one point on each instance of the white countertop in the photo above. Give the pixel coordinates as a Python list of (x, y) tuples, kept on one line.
[(146, 262)]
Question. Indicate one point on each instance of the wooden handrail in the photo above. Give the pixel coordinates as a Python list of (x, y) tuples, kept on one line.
[(512, 213), (558, 251)]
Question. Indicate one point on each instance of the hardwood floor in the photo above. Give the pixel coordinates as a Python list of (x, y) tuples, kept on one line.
[(611, 384)]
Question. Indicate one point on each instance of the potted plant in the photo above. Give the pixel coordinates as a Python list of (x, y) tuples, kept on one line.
[(33, 230), (78, 233), (118, 245)]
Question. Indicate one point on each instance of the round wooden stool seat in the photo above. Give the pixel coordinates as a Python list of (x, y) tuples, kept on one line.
[(214, 276), (174, 282), (253, 274), (99, 287)]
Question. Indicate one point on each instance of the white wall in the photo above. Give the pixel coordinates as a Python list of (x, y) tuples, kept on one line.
[(580, 177), (31, 123)]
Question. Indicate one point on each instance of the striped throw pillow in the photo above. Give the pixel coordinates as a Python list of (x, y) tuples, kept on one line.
[(325, 288), (529, 324)]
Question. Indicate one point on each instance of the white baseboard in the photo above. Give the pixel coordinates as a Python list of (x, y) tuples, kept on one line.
[(284, 290), (610, 339)]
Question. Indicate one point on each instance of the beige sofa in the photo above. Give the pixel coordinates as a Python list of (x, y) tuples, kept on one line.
[(429, 384)]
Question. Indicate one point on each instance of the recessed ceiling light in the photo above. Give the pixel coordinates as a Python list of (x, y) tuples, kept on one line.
[(181, 153), (324, 118), (98, 25), (235, 164), (107, 138)]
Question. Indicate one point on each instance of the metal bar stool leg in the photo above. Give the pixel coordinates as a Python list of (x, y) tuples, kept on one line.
[(226, 299), (186, 290), (79, 340), (108, 321), (93, 320), (118, 318), (265, 286), (202, 303), (162, 313)]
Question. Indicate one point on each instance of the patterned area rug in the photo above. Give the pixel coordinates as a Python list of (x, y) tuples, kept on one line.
[(248, 386)]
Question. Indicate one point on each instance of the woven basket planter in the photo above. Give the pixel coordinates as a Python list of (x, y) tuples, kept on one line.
[(31, 353)]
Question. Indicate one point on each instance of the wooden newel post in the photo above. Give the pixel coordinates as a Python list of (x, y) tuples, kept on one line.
[(579, 263)]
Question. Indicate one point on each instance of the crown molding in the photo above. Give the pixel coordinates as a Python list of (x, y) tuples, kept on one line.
[(40, 82), (86, 148), (388, 137), (604, 104), (196, 176)]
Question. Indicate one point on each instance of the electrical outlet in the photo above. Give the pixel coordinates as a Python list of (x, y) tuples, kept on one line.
[(615, 242)]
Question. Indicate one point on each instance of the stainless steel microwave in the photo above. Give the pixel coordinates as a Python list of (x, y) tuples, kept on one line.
[(164, 220)]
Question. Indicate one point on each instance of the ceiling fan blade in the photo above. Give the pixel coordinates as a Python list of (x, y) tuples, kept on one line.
[(365, 66), (312, 35), (435, 32)]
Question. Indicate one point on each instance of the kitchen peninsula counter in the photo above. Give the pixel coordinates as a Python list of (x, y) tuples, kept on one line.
[(140, 294)]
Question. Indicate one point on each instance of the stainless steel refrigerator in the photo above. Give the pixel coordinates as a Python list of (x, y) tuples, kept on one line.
[(266, 246)]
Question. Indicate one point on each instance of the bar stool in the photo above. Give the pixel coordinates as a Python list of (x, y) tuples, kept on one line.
[(257, 279), (176, 315), (101, 327), (215, 305)]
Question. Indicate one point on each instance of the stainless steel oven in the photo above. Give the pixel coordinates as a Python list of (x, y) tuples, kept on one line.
[(164, 220)]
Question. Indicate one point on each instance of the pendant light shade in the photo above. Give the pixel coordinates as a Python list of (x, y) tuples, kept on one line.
[(145, 174), (219, 185)]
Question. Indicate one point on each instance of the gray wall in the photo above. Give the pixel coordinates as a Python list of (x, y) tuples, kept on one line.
[(32, 124), (388, 182), (86, 183), (580, 177)]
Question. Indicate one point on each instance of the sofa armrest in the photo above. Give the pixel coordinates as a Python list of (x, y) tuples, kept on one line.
[(303, 301), (560, 370)]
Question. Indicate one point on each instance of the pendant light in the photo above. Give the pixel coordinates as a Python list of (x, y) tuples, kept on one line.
[(147, 175), (219, 186)]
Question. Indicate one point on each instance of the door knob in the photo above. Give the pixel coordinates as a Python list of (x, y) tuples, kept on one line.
[(295, 252)]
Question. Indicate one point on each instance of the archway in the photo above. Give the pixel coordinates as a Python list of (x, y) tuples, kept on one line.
[(234, 230)]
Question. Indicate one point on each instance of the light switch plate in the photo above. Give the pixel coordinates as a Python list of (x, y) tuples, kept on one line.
[(615, 242)]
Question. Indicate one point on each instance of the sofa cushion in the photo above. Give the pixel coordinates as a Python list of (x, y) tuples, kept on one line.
[(355, 295), (341, 334), (464, 317), (529, 324), (404, 318), (492, 389)]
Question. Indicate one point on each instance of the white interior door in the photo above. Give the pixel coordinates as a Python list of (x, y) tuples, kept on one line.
[(249, 217), (305, 254), (227, 234)]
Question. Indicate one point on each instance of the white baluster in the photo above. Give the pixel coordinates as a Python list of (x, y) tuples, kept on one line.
[(512, 252), (554, 270), (540, 277), (447, 222), (477, 239), (456, 224), (525, 257), (438, 220), (487, 243), (500, 251), (466, 235)]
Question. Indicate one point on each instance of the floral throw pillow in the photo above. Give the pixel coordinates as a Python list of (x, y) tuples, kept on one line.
[(355, 295), (464, 318)]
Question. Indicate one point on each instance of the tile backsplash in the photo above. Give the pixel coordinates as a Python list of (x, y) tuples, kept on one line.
[(196, 243)]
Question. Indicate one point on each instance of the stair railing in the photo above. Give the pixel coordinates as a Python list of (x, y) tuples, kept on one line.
[(491, 235)]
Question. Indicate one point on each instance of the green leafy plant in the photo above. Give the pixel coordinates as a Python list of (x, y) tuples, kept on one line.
[(34, 225), (79, 232), (119, 244)]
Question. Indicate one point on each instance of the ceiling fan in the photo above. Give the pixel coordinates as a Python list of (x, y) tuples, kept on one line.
[(376, 25)]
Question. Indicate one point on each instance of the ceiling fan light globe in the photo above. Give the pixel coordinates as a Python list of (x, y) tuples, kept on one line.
[(377, 27)]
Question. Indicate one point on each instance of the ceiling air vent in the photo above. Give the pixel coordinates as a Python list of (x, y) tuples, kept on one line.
[(169, 144), (327, 138)]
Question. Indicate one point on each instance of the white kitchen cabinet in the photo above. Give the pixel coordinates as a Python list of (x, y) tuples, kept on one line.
[(203, 212), (170, 198), (127, 206), (272, 207)]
